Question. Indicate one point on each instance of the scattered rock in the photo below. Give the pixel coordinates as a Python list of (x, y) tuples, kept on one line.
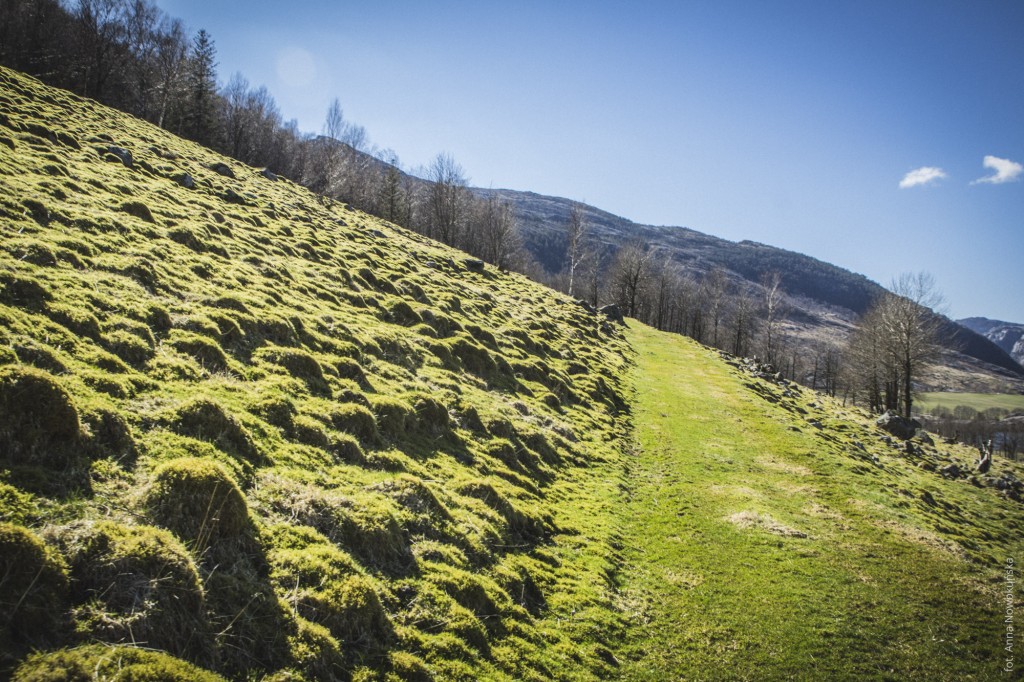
[(123, 154), (473, 264), (233, 197), (613, 313), (185, 180), (586, 306), (269, 174), (221, 168), (902, 428)]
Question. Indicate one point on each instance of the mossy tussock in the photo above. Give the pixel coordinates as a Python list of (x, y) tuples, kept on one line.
[(311, 439), (135, 584), (34, 585)]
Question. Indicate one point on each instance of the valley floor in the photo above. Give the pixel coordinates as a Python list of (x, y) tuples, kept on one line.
[(759, 546)]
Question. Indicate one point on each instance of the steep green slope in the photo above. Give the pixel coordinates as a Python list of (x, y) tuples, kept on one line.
[(257, 432), (774, 534)]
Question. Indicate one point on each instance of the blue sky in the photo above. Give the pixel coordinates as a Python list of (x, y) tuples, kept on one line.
[(793, 123)]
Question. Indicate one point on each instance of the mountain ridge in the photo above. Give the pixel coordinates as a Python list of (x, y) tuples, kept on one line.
[(1007, 335), (543, 219)]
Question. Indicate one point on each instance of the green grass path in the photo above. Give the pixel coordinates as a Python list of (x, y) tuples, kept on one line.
[(757, 551)]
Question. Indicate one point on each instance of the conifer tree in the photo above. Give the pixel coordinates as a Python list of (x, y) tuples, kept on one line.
[(201, 121)]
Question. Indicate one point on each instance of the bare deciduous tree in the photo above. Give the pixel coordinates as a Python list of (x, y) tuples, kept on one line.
[(773, 301), (713, 293), (629, 276), (495, 232), (743, 311), (894, 340), (447, 199), (912, 328), (576, 247)]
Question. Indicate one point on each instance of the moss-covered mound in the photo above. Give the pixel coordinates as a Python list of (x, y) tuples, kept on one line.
[(281, 437), (40, 423), (96, 662), (135, 585), (197, 500), (33, 591)]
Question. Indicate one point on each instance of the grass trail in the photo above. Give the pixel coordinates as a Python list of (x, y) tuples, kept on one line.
[(761, 547)]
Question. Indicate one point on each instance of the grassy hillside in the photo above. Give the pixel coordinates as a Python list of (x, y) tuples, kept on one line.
[(773, 534), (248, 433), (252, 432)]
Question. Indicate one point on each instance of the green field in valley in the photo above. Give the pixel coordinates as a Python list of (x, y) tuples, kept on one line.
[(927, 402)]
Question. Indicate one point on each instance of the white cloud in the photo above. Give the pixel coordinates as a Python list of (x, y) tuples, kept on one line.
[(1005, 171), (922, 176)]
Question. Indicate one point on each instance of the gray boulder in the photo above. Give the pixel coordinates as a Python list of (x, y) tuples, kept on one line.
[(586, 306), (221, 168), (123, 154), (951, 471), (473, 264), (902, 428), (233, 197), (613, 313)]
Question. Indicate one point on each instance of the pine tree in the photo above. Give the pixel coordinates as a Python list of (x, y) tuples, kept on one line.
[(201, 120)]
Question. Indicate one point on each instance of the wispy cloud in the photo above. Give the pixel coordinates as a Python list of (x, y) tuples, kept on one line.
[(922, 176), (1005, 171)]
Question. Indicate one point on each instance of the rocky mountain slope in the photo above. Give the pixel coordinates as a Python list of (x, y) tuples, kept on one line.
[(1007, 335), (251, 431)]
